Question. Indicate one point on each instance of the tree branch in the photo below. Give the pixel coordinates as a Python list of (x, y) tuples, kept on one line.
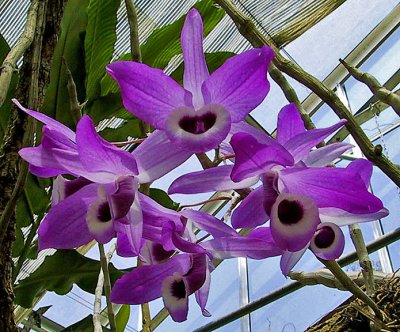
[(375, 87), (24, 41), (247, 28)]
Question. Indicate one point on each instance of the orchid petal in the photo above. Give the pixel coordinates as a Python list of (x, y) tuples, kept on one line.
[(327, 154), (134, 230), (147, 92), (289, 260), (179, 242), (196, 71), (154, 253), (175, 297), (122, 196), (124, 248), (144, 283), (254, 158), (244, 127), (270, 186), (330, 187), (300, 145), (53, 124), (63, 188), (97, 155), (290, 123), (211, 179), (202, 294), (244, 246), (196, 276), (64, 226), (362, 168), (44, 172), (251, 211), (240, 84), (344, 218), (157, 156), (209, 223)]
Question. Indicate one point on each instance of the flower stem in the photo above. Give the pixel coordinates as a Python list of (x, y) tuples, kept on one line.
[(337, 271), (362, 253), (146, 316), (107, 285)]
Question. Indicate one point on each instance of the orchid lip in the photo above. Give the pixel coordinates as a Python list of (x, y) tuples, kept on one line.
[(104, 212), (294, 220), (99, 219), (198, 130), (328, 241), (290, 212)]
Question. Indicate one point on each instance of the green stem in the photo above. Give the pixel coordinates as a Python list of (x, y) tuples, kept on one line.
[(107, 288), (337, 271)]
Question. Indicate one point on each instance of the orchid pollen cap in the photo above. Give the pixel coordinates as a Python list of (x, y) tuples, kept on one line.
[(294, 220), (328, 241)]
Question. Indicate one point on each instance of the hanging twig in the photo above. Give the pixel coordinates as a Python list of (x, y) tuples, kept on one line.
[(24, 41), (75, 106), (376, 88), (134, 31), (107, 284), (248, 29)]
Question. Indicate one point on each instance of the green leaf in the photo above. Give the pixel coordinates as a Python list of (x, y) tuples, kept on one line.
[(121, 319), (163, 198), (84, 325), (33, 250), (70, 46), (35, 200), (107, 107), (164, 43), (58, 273), (18, 244), (128, 128), (107, 83), (99, 42)]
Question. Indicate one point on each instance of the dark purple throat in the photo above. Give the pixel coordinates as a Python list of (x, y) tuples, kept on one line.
[(198, 124), (104, 213), (325, 237), (290, 212), (178, 289)]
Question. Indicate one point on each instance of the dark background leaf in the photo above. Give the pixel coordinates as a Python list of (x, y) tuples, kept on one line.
[(71, 47), (58, 273)]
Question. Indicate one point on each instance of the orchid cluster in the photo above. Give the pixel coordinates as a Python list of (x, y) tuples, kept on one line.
[(300, 204)]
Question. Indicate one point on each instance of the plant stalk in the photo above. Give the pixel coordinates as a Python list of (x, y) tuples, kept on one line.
[(107, 285)]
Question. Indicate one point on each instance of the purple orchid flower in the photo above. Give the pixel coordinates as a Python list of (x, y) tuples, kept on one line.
[(198, 116), (174, 281), (102, 201), (297, 192), (176, 265)]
